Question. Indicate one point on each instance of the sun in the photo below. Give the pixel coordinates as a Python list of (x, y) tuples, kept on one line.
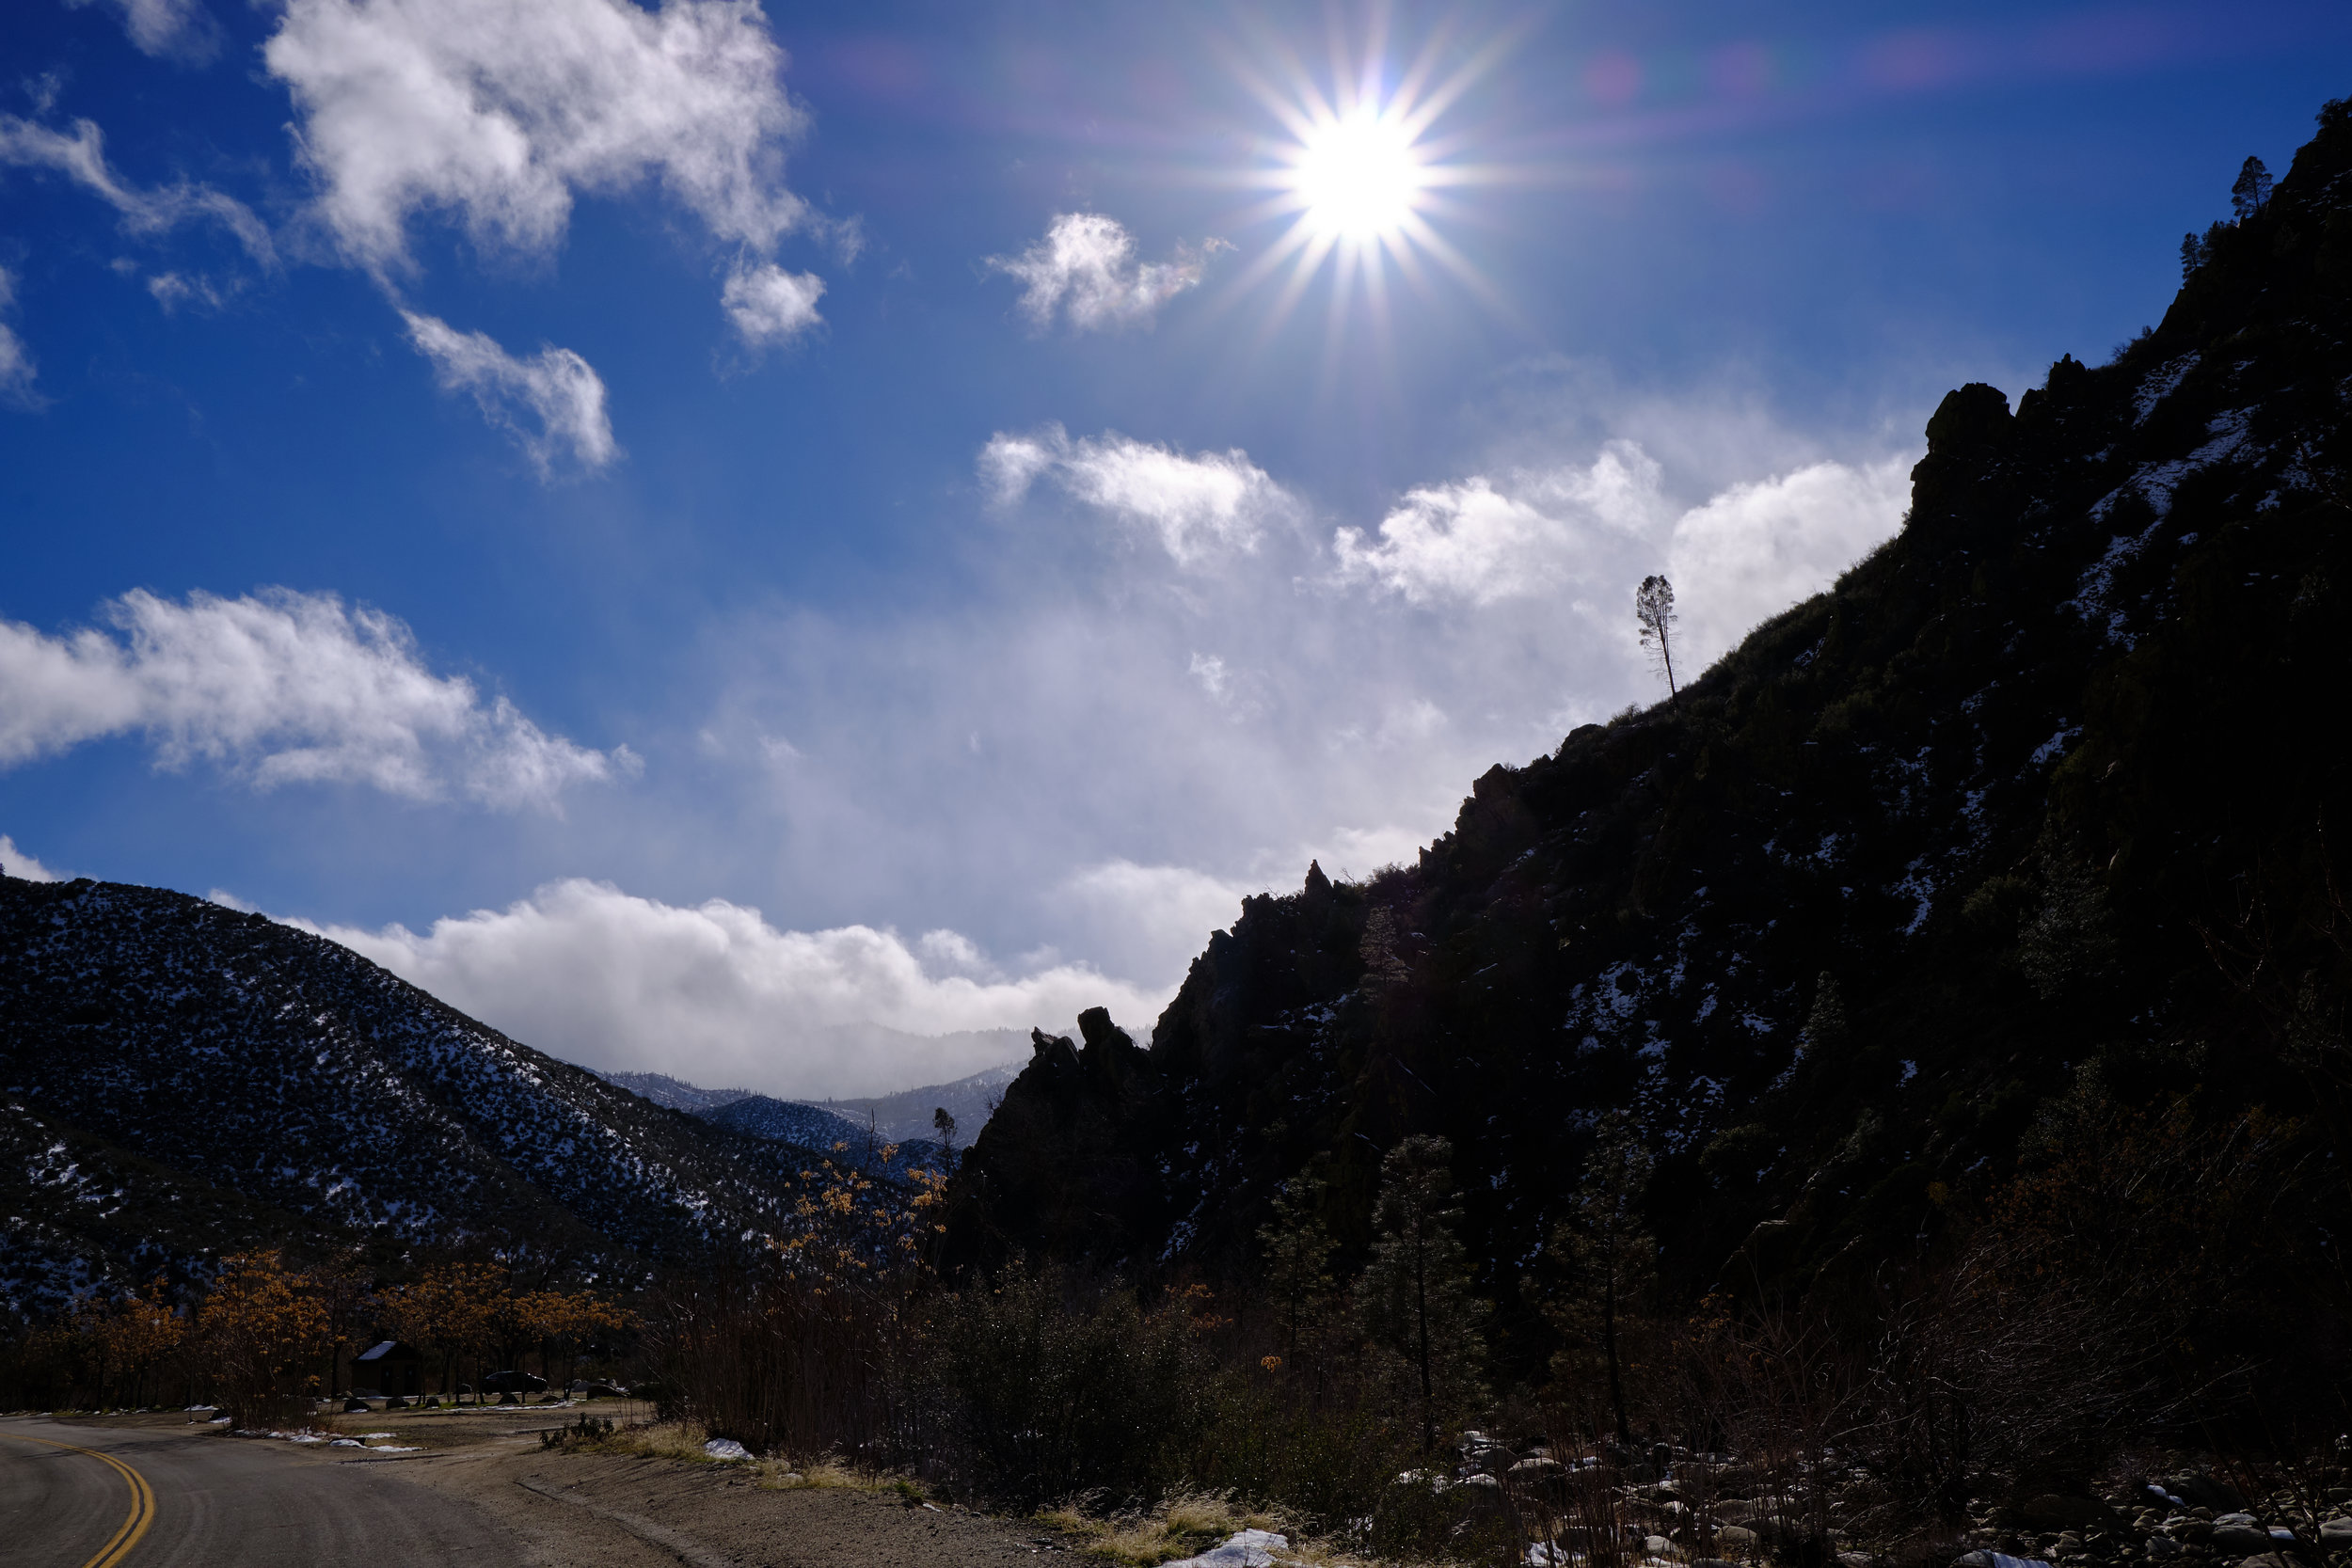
[(1358, 176), (1365, 178)]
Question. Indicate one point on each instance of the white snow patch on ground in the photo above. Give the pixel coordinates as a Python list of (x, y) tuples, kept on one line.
[(1249, 1549), (1919, 887), (2160, 384), (2157, 481), (2056, 744)]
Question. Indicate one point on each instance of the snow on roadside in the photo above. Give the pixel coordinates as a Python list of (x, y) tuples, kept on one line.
[(1249, 1549)]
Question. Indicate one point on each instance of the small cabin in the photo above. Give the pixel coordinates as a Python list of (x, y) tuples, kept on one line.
[(392, 1368)]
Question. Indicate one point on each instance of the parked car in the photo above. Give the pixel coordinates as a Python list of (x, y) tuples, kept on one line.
[(512, 1381)]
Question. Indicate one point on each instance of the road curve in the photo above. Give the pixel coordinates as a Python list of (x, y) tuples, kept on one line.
[(219, 1503)]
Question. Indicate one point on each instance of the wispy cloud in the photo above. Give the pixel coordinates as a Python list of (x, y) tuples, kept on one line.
[(552, 403), (1197, 505), (717, 994), (769, 305), (501, 113), (16, 361), (183, 30), (81, 158), (281, 688), (1086, 271)]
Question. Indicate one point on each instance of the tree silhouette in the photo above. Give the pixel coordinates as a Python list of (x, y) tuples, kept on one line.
[(1654, 607), (1416, 1292), (1611, 1259), (1297, 1248), (2251, 190)]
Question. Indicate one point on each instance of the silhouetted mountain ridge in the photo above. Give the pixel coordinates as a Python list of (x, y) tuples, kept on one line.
[(2040, 788)]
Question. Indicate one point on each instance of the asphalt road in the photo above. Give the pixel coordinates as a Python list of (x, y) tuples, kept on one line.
[(217, 1502)]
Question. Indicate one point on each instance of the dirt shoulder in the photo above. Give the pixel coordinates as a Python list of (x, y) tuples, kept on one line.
[(603, 1509)]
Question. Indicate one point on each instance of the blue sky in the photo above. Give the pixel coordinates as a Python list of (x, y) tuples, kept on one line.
[(695, 534)]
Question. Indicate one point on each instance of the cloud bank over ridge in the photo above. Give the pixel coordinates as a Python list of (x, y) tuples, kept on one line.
[(717, 995)]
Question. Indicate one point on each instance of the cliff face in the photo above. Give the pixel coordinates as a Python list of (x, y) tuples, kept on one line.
[(2043, 788)]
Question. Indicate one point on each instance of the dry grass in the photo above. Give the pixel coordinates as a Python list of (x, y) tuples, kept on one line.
[(679, 1440), (683, 1441), (785, 1475)]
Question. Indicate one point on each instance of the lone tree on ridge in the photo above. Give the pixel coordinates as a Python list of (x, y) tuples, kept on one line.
[(2252, 189), (1654, 606)]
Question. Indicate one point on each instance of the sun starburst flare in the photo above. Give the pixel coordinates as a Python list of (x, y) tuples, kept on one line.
[(1363, 179)]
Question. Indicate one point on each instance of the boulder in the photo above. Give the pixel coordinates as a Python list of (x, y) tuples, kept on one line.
[(354, 1407), (2335, 1535), (1482, 1492), (2239, 1539), (1739, 1537)]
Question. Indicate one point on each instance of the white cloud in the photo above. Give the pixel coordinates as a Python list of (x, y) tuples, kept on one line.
[(16, 361), (1152, 919), (1198, 506), (1757, 549), (499, 113), (1086, 268), (550, 403), (172, 290), (280, 687), (715, 994), (17, 863), (1469, 541), (1210, 671), (1746, 553), (769, 305), (177, 29), (81, 157)]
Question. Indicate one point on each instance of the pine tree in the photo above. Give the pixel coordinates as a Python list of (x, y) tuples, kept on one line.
[(2252, 189), (1609, 1257), (1297, 1248), (1654, 607), (1825, 1025), (1416, 1295)]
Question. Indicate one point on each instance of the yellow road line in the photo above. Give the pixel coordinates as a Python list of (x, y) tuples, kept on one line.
[(142, 1503)]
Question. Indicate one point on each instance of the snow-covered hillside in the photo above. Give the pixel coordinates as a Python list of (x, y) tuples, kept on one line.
[(162, 1055)]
